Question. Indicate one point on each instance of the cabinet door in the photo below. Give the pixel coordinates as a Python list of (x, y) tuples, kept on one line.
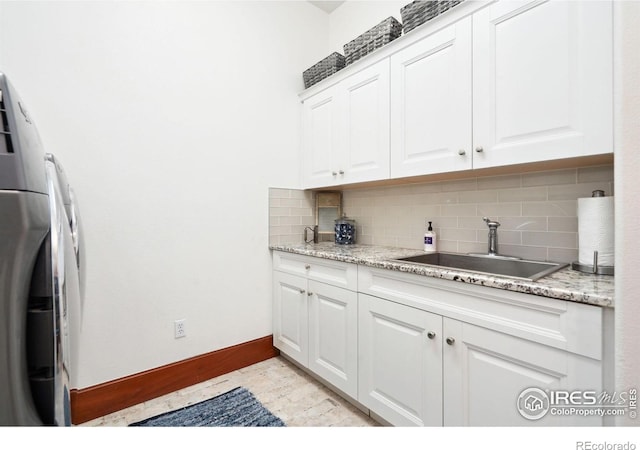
[(400, 368), (333, 335), (542, 81), (320, 122), (431, 104), (364, 151), (486, 371), (290, 316)]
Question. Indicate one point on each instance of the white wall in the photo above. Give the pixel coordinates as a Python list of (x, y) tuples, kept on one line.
[(627, 167), (172, 119)]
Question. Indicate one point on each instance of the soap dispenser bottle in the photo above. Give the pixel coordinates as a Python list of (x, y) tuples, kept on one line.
[(430, 239)]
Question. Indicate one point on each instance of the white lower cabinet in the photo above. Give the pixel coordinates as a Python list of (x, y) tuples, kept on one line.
[(433, 356), (485, 371), (315, 323), (420, 351), (400, 362)]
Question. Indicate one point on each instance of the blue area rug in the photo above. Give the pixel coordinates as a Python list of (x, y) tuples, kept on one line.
[(236, 408)]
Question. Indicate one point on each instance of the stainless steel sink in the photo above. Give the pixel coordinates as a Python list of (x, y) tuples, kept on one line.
[(491, 265)]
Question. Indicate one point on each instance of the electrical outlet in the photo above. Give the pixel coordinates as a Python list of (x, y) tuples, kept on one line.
[(179, 328)]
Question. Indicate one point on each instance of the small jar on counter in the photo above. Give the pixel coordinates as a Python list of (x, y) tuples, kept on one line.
[(345, 231)]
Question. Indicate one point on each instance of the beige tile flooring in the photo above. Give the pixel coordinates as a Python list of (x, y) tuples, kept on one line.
[(283, 388)]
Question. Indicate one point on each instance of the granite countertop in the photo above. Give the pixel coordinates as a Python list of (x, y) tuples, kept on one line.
[(565, 284)]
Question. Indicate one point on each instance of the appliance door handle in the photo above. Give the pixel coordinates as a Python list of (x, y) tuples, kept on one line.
[(73, 224), (59, 286)]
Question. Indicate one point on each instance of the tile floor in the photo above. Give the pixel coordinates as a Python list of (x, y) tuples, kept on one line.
[(283, 388)]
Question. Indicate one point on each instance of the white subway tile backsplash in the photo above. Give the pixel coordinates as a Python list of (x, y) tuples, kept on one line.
[(537, 212), (487, 196), (499, 209), (471, 247), (426, 211), (281, 230), (425, 188), (563, 224), (526, 194), (302, 212), (549, 178), (598, 173), (442, 222), (500, 182), (289, 220), (445, 198), (458, 210), (475, 223), (398, 190), (279, 193), (290, 211), (366, 240), (469, 184), (523, 223), (525, 252), (291, 202), (279, 211), (573, 191), (447, 246), (504, 237), (297, 193), (458, 234), (385, 241), (437, 198), (566, 255), (550, 239), (408, 242), (550, 209)]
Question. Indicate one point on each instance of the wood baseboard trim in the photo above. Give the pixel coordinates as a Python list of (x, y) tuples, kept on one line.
[(97, 401)]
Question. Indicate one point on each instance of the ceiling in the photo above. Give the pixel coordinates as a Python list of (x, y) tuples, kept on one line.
[(327, 6)]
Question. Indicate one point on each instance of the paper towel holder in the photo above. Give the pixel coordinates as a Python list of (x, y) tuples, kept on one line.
[(593, 269)]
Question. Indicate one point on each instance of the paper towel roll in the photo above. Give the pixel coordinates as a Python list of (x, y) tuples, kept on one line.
[(596, 230)]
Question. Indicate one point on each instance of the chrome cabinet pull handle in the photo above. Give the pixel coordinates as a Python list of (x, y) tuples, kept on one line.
[(307, 266), (450, 340), (341, 172), (479, 149), (302, 291), (462, 152), (431, 335), (309, 294)]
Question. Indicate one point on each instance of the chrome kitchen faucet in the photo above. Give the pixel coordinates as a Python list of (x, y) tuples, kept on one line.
[(493, 236)]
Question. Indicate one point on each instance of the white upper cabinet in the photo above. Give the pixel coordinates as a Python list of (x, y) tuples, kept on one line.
[(431, 104), (511, 82), (346, 130), (366, 118), (542, 81), (320, 139)]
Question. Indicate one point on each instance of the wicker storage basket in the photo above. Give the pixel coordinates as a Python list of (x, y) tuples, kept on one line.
[(374, 38), (322, 69), (416, 13), (444, 5)]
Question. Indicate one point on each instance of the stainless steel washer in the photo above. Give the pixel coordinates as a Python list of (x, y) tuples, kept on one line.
[(41, 274)]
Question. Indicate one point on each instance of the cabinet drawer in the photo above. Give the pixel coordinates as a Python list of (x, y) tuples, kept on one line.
[(569, 326), (336, 273)]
